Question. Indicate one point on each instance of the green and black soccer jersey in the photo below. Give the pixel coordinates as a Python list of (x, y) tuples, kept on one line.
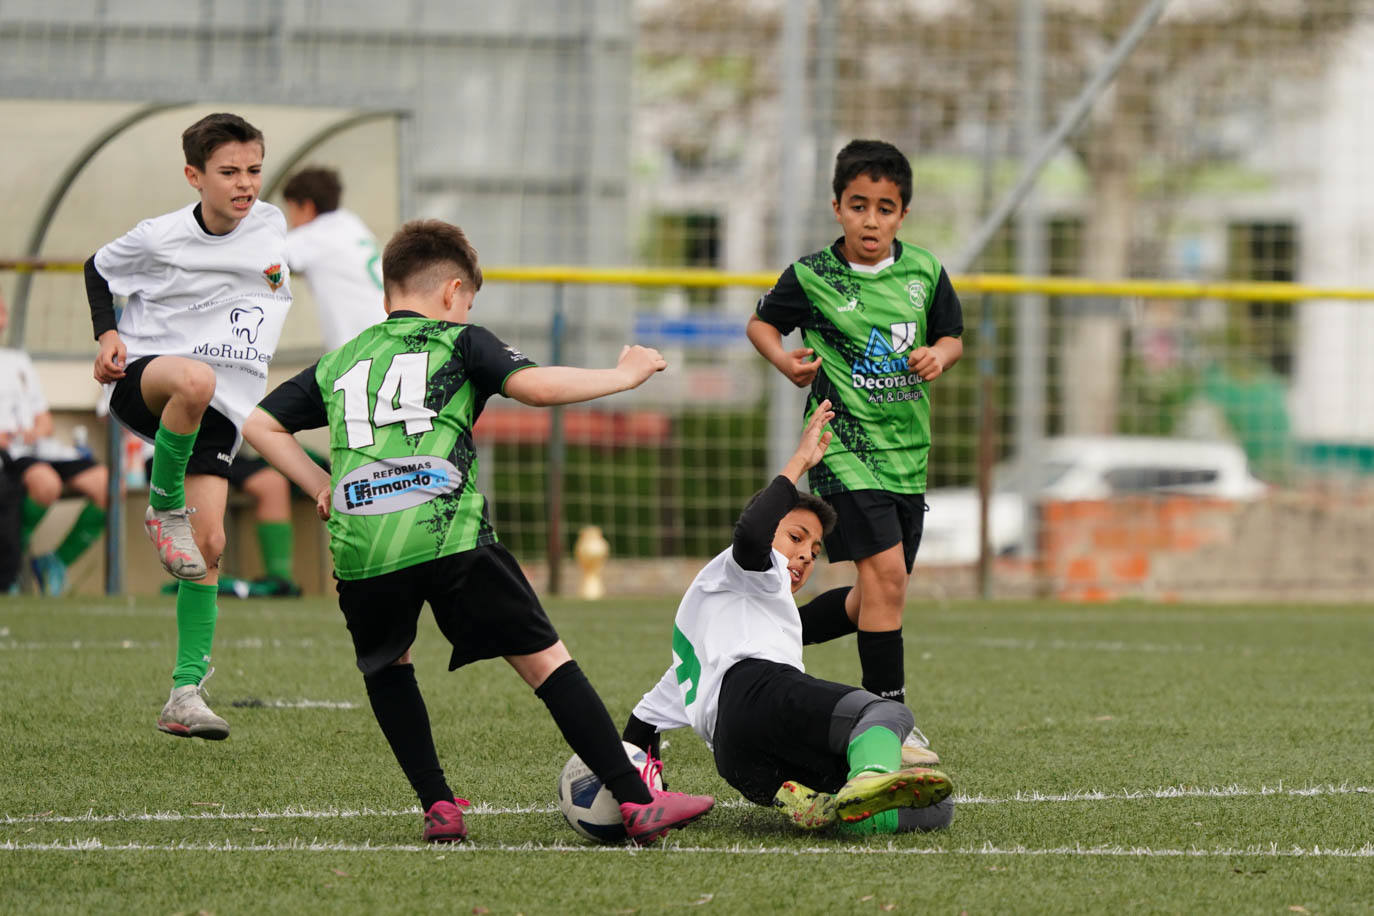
[(863, 324), (400, 400)]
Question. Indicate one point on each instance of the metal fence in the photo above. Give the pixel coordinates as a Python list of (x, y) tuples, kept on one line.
[(1195, 143)]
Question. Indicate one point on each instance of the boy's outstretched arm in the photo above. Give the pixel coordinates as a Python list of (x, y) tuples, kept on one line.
[(935, 360), (815, 439), (797, 364), (545, 386), (281, 450)]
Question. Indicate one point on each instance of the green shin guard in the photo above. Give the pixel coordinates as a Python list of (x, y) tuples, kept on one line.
[(85, 531), (277, 546), (30, 514), (167, 483), (875, 750), (196, 613)]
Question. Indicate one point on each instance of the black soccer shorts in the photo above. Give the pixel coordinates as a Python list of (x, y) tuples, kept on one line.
[(481, 600)]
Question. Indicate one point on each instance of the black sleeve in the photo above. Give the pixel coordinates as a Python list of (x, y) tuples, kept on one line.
[(488, 361), (100, 298), (753, 544), (297, 403), (785, 306), (946, 318)]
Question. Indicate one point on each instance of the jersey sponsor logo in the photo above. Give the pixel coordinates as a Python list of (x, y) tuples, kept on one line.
[(916, 294), (515, 355), (395, 484), (274, 276), (882, 367), (247, 322)]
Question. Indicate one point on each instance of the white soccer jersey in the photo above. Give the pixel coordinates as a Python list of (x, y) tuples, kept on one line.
[(21, 396), (728, 614), (221, 299), (339, 258)]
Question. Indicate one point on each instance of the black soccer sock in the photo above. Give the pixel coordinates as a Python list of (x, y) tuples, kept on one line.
[(823, 618), (400, 711), (880, 657), (642, 735), (589, 731)]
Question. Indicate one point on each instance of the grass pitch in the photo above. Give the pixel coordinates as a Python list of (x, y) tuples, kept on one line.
[(1105, 759)]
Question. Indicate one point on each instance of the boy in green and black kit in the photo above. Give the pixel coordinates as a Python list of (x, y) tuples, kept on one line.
[(880, 321)]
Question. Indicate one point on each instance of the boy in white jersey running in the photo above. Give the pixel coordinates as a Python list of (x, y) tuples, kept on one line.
[(336, 254), (208, 293), (825, 753)]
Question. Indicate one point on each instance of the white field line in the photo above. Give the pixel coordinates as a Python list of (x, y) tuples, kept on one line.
[(294, 813), (93, 645), (1271, 851)]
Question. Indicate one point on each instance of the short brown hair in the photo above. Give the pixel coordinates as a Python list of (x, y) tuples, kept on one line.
[(318, 185), (824, 511), (424, 252), (201, 139)]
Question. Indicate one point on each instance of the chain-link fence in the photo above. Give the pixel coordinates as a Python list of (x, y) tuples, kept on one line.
[(1193, 141)]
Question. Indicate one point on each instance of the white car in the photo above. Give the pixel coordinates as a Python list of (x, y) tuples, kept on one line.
[(1080, 468)]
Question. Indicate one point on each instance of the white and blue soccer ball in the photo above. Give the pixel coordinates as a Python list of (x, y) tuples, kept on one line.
[(588, 805)]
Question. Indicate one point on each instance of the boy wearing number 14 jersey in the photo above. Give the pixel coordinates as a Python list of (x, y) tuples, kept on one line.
[(407, 524)]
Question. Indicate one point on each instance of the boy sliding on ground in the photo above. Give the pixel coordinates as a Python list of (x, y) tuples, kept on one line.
[(207, 297), (823, 752), (408, 525), (882, 322)]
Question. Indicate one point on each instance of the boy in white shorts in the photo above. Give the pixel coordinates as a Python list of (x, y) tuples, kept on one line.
[(208, 293)]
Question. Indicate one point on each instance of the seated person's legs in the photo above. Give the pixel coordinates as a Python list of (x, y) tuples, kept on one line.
[(90, 480), (271, 494)]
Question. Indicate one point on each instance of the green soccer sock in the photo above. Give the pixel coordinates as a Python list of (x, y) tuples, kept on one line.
[(196, 613), (171, 451), (85, 531), (879, 750), (29, 516), (882, 822), (275, 542)]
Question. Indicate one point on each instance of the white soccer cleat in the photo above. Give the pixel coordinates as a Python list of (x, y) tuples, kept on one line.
[(187, 716), (170, 532), (916, 751)]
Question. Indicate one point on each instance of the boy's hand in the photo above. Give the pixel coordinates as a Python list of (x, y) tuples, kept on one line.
[(324, 502), (800, 370), (109, 362), (640, 363), (815, 439), (926, 362)]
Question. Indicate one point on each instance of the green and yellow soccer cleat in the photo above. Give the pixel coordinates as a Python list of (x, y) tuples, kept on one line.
[(805, 808), (869, 793)]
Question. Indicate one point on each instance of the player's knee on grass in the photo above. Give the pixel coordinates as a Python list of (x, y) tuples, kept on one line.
[(859, 711), (923, 820)]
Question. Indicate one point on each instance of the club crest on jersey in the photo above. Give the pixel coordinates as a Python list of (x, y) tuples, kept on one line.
[(916, 294), (395, 484), (274, 276)]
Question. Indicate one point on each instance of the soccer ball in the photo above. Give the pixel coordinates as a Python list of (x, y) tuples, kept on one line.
[(589, 806)]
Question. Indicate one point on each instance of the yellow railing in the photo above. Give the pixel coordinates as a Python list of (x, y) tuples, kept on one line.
[(966, 283)]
